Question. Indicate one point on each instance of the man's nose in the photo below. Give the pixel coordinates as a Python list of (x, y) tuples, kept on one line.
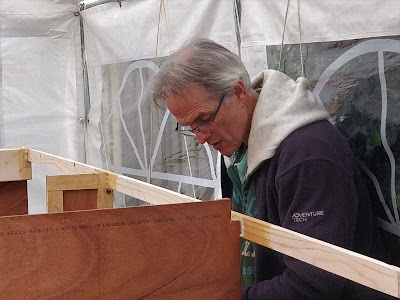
[(202, 136)]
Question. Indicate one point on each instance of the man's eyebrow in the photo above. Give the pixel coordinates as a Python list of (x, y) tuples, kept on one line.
[(200, 117)]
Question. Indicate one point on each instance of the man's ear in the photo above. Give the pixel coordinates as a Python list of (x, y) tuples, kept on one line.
[(239, 90)]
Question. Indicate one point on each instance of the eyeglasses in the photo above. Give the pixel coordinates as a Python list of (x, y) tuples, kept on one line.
[(202, 128)]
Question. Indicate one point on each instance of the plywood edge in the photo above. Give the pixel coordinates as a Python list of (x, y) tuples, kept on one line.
[(14, 165), (135, 188), (348, 264)]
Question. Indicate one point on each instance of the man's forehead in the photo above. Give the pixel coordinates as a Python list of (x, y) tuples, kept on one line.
[(187, 108), (194, 96)]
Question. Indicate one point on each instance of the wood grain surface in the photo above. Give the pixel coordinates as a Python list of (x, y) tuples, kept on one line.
[(13, 198), (176, 251), (14, 166)]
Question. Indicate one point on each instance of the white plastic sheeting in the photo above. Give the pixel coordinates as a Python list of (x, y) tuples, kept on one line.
[(40, 93), (320, 21), (136, 138)]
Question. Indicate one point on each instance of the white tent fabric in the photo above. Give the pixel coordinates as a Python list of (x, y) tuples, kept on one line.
[(320, 21), (40, 85), (114, 113), (136, 24)]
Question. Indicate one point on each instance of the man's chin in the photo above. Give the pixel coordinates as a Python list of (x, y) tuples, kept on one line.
[(227, 151)]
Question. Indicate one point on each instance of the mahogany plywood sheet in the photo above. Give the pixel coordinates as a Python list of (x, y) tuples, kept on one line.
[(79, 200), (13, 198), (176, 251)]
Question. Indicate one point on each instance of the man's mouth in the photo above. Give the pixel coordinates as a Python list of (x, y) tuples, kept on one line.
[(217, 146)]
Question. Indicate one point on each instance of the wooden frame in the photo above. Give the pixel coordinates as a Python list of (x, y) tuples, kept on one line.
[(78, 192), (359, 268)]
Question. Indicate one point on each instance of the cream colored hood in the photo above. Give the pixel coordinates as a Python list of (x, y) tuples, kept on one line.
[(283, 106)]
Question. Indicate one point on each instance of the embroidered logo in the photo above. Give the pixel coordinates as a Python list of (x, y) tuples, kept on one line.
[(304, 216)]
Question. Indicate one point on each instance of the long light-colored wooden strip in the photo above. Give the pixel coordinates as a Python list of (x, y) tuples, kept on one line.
[(58, 163), (72, 182), (351, 265), (138, 189), (13, 165), (146, 192)]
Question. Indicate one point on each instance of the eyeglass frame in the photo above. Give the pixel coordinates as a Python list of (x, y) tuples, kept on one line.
[(191, 132)]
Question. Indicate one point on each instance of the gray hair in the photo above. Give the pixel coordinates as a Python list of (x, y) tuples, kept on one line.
[(200, 62)]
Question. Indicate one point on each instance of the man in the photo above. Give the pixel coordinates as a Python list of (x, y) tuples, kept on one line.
[(282, 152)]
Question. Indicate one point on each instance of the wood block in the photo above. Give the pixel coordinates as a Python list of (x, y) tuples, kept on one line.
[(72, 182), (176, 251), (13, 165), (13, 198)]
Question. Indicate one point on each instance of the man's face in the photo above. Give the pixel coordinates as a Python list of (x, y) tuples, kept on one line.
[(230, 127)]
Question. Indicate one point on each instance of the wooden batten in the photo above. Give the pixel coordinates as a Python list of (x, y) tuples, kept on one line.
[(348, 264), (135, 188), (72, 182), (14, 166)]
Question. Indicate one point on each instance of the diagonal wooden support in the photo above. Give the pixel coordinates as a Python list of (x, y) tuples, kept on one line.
[(348, 264), (135, 188)]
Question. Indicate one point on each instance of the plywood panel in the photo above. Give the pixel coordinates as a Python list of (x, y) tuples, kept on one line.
[(177, 251), (13, 198), (80, 200)]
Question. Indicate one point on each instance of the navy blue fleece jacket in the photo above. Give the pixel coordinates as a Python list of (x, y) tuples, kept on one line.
[(307, 180), (312, 185)]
